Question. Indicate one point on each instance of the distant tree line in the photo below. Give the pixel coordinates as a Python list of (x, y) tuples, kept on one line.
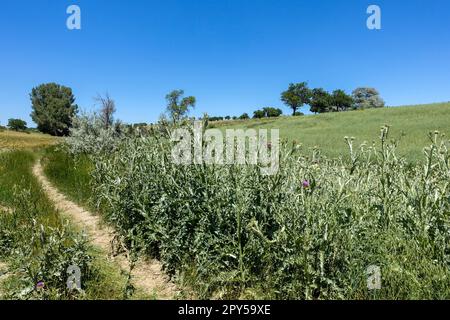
[(221, 118), (17, 125), (54, 108), (268, 112), (321, 101), (244, 116)]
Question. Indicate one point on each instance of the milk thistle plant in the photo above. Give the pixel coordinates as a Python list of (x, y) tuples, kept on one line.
[(311, 230)]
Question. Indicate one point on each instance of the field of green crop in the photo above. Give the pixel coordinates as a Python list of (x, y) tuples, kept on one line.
[(410, 125)]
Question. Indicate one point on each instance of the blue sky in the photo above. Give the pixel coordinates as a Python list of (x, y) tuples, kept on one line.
[(234, 55)]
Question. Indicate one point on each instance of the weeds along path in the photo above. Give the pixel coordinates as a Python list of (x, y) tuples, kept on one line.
[(147, 275)]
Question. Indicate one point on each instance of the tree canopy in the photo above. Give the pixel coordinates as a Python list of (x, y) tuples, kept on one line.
[(53, 108), (17, 125), (341, 101), (365, 98), (320, 101), (258, 114), (177, 106), (296, 96), (271, 112), (244, 116)]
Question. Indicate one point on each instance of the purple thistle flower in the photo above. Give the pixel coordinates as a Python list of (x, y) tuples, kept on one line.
[(40, 285), (306, 184)]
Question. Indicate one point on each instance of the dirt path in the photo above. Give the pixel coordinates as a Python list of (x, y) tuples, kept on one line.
[(147, 275)]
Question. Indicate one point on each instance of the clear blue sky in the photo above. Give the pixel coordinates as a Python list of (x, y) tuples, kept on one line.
[(233, 55)]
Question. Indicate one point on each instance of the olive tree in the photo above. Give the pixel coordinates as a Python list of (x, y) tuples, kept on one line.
[(365, 98), (296, 96)]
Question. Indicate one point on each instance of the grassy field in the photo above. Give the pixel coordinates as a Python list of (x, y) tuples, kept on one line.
[(11, 140), (410, 125)]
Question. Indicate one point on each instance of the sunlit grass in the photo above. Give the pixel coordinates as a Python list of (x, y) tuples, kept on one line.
[(11, 140), (409, 125)]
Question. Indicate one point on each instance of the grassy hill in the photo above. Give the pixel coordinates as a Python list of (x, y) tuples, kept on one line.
[(409, 124)]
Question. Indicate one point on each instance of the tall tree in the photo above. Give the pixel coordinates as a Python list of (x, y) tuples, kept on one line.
[(365, 98), (341, 101), (178, 107), (296, 96), (53, 108), (320, 101), (107, 110)]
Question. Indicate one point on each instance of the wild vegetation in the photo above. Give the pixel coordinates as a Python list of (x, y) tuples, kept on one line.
[(308, 232), (38, 245), (336, 206)]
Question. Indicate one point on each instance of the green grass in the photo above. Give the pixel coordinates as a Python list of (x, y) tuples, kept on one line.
[(409, 125), (15, 175), (71, 176), (21, 192)]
